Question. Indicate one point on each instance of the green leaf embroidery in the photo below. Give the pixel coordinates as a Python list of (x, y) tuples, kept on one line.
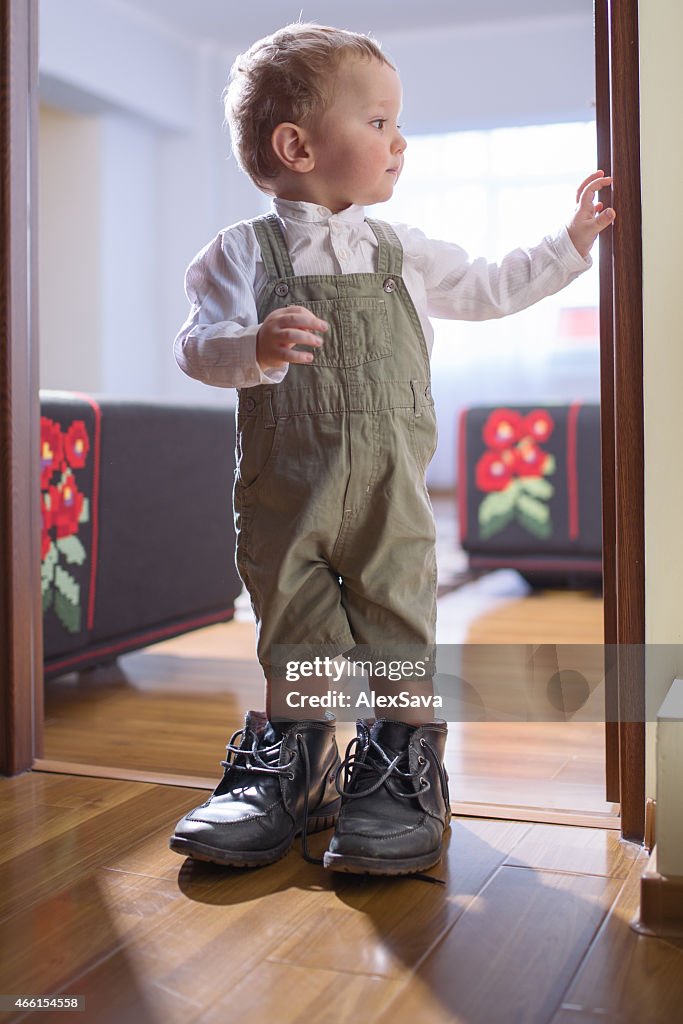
[(68, 613), (535, 526), (549, 466), (533, 508), (497, 510), (534, 516), (537, 486), (85, 511), (72, 549), (47, 569), (67, 585)]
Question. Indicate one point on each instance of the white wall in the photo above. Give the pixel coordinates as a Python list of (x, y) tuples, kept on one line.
[(497, 74), (157, 162), (661, 93)]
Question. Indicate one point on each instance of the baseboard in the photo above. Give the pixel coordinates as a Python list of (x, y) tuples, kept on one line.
[(661, 903)]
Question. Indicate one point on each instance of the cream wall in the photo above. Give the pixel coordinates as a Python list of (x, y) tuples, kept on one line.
[(69, 215), (661, 96)]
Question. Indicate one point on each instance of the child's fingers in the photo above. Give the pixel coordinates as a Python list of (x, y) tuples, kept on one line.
[(289, 336), (587, 181), (589, 189), (293, 355), (606, 218), (591, 177), (300, 317)]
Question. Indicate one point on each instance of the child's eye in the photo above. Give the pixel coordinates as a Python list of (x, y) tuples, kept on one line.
[(379, 122)]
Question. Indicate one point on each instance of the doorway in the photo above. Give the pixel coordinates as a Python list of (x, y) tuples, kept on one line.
[(617, 114)]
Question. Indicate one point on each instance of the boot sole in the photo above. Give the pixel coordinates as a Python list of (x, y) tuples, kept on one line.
[(377, 866), (324, 819)]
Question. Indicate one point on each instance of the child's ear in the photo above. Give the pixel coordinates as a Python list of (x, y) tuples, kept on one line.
[(292, 148)]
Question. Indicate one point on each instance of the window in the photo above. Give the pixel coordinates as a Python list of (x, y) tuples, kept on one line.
[(490, 192)]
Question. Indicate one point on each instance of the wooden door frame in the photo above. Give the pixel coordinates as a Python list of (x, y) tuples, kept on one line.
[(622, 415), (21, 650), (621, 340)]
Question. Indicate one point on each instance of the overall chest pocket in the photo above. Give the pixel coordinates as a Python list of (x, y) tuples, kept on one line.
[(359, 331)]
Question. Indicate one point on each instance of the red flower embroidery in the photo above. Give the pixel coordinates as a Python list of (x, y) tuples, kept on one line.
[(493, 472), (503, 428), (51, 449), (513, 470), (46, 523), (63, 508), (67, 504), (76, 444), (539, 425), (530, 460)]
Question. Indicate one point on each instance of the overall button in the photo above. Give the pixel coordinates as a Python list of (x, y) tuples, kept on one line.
[(281, 288), (250, 404), (389, 285)]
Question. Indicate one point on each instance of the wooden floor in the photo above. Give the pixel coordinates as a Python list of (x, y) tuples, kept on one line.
[(532, 925)]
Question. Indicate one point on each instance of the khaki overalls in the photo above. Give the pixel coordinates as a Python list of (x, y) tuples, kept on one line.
[(335, 532)]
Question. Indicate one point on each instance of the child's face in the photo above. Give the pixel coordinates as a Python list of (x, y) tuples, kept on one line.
[(358, 147)]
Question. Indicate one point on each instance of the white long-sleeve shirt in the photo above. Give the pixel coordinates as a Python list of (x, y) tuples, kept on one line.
[(217, 343)]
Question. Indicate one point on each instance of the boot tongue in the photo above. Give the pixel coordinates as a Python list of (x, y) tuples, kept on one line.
[(256, 722), (393, 737), (267, 734)]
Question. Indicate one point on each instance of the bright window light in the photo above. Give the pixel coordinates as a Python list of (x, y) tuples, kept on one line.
[(490, 192)]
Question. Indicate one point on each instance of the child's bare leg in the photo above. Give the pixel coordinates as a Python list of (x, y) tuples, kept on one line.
[(278, 689), (419, 692)]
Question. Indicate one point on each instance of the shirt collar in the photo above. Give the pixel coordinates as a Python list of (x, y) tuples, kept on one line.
[(290, 209)]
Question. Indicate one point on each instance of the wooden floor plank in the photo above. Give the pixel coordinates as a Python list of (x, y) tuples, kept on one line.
[(627, 977), (53, 858), (510, 956), (304, 995), (580, 850), (401, 918)]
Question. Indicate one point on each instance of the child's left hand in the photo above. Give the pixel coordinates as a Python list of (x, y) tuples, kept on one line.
[(589, 218)]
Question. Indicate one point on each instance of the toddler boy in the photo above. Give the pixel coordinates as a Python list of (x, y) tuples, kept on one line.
[(320, 318)]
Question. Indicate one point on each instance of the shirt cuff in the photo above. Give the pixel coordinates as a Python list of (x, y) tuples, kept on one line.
[(271, 376), (253, 373), (568, 253)]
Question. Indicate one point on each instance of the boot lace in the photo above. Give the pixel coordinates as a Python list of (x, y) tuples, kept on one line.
[(265, 759), (388, 769), (392, 772)]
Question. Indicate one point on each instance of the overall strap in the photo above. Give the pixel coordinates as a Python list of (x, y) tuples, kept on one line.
[(390, 255), (274, 252)]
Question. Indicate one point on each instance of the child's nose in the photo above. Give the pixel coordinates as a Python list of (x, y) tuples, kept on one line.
[(399, 143)]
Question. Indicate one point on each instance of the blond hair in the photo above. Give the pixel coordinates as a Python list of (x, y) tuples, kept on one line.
[(285, 77)]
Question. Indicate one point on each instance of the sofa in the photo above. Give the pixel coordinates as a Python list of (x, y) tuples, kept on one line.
[(529, 491), (137, 527)]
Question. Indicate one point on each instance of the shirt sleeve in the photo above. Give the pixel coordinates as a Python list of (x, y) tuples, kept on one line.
[(217, 342), (460, 288)]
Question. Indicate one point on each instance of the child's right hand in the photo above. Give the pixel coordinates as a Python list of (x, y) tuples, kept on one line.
[(281, 331)]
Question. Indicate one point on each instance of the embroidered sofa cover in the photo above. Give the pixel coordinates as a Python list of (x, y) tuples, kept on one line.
[(137, 530), (529, 487)]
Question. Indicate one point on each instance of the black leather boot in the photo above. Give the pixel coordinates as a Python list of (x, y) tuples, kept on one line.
[(277, 783), (395, 804)]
